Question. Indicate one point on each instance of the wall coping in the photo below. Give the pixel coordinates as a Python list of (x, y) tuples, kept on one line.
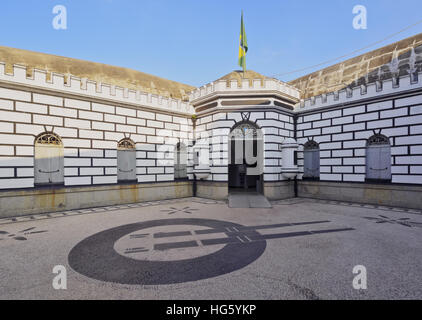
[(372, 90), (247, 86), (89, 88)]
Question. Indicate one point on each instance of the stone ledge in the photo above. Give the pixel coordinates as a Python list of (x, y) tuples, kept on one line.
[(25, 202), (406, 196), (212, 190), (279, 190)]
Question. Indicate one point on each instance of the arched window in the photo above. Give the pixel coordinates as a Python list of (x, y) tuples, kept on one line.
[(378, 158), (244, 130), (311, 160), (180, 161), (49, 159), (126, 160)]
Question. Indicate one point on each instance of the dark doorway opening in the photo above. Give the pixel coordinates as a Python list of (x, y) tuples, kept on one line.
[(244, 136)]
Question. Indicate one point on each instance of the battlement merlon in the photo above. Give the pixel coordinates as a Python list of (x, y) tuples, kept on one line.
[(374, 89), (244, 88), (93, 89)]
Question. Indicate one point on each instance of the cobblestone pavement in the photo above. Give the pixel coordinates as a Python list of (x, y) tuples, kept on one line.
[(200, 249)]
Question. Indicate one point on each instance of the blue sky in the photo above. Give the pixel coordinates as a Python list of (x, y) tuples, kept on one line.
[(196, 41)]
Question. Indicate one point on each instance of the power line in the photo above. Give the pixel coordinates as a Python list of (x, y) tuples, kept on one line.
[(349, 54)]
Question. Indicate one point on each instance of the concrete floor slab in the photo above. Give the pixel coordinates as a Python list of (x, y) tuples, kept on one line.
[(191, 249), (248, 200)]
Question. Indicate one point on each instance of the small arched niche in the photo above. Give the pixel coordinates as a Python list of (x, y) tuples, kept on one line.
[(180, 161), (378, 158), (49, 159), (126, 160), (311, 160)]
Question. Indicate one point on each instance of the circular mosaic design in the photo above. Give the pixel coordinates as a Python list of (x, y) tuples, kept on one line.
[(158, 256), (140, 247)]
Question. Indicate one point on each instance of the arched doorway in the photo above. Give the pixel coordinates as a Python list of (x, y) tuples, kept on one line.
[(246, 151)]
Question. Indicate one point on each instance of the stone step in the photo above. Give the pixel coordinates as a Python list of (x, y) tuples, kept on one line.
[(248, 200)]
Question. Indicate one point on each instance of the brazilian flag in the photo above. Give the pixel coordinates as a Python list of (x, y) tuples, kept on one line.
[(243, 48)]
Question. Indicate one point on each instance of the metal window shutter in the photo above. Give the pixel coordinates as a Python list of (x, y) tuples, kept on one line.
[(378, 162), (311, 163), (57, 165), (385, 163), (49, 163), (315, 163), (126, 165), (132, 164), (307, 164)]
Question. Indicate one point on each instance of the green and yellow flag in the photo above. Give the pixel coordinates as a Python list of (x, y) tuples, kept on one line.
[(243, 48)]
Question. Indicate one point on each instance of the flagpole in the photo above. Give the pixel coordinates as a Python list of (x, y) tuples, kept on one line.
[(244, 57), (244, 64)]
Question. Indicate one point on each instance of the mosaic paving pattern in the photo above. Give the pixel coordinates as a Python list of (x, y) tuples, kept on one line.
[(186, 257), (22, 235), (174, 210), (407, 222), (106, 209), (291, 201), (344, 203)]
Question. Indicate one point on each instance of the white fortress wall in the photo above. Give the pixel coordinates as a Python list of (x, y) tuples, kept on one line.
[(90, 118), (341, 123)]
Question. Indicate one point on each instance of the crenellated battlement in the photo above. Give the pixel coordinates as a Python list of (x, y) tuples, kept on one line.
[(377, 88), (74, 85), (231, 86)]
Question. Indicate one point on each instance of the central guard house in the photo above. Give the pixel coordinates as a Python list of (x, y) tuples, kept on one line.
[(254, 112)]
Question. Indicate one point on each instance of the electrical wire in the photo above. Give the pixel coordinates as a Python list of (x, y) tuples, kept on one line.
[(349, 54)]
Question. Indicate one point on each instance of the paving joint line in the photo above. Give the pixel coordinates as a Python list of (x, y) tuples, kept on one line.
[(104, 209)]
